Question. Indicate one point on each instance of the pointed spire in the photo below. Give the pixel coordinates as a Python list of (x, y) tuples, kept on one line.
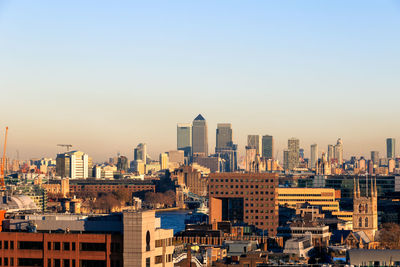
[(372, 187), (354, 187)]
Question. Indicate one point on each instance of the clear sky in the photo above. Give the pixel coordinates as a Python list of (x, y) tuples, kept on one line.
[(106, 75)]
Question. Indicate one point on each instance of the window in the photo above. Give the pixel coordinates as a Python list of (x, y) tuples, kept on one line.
[(366, 222), (57, 246), (5, 247), (11, 244), (5, 260), (48, 245), (30, 245), (57, 263), (366, 208), (360, 222), (66, 263), (158, 259), (92, 246), (73, 246), (147, 262), (66, 246), (48, 262), (148, 241), (158, 243)]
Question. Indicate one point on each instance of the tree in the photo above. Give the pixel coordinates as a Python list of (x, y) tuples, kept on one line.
[(123, 195), (389, 236)]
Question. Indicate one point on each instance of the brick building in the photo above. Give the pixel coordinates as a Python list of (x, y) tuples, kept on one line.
[(245, 197), (120, 239)]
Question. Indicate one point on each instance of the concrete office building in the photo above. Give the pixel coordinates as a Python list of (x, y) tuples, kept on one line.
[(268, 147), (390, 148), (199, 137), (254, 141), (73, 164), (293, 153), (244, 197), (184, 138), (119, 239), (314, 156)]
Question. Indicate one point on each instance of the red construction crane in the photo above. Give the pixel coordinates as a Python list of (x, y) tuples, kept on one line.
[(2, 184)]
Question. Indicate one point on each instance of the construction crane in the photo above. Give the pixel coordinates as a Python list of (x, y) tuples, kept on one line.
[(2, 183), (64, 145)]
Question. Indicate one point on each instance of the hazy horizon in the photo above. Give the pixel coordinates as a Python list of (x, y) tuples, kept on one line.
[(105, 77)]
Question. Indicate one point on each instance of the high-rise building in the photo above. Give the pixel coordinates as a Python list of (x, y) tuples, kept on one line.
[(199, 136), (123, 164), (224, 137), (390, 148), (268, 147), (375, 157), (286, 159), (339, 151), (314, 156), (164, 161), (331, 153), (254, 141), (184, 138), (293, 153), (225, 147), (140, 153), (73, 164)]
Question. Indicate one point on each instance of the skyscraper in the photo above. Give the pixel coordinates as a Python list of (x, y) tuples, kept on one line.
[(254, 141), (339, 151), (225, 147), (390, 148), (293, 153), (184, 138), (140, 153), (314, 156), (268, 147), (199, 136), (375, 157), (223, 137), (331, 153)]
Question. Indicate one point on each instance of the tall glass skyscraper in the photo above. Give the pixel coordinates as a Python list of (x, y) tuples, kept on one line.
[(199, 136), (184, 138), (268, 147), (391, 148), (254, 141), (223, 137), (225, 147)]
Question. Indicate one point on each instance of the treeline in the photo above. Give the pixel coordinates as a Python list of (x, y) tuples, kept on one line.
[(160, 200)]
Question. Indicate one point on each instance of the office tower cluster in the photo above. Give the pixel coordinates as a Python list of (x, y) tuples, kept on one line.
[(193, 140), (260, 154)]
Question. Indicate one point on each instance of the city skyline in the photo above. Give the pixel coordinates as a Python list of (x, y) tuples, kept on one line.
[(128, 151), (279, 68)]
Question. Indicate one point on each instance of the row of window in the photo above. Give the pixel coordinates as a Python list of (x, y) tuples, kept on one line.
[(259, 211), (304, 200), (65, 246), (242, 180), (168, 242), (241, 193), (241, 186), (300, 195), (158, 259)]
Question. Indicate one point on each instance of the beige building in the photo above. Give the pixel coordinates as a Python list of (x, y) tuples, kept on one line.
[(324, 197), (145, 244)]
